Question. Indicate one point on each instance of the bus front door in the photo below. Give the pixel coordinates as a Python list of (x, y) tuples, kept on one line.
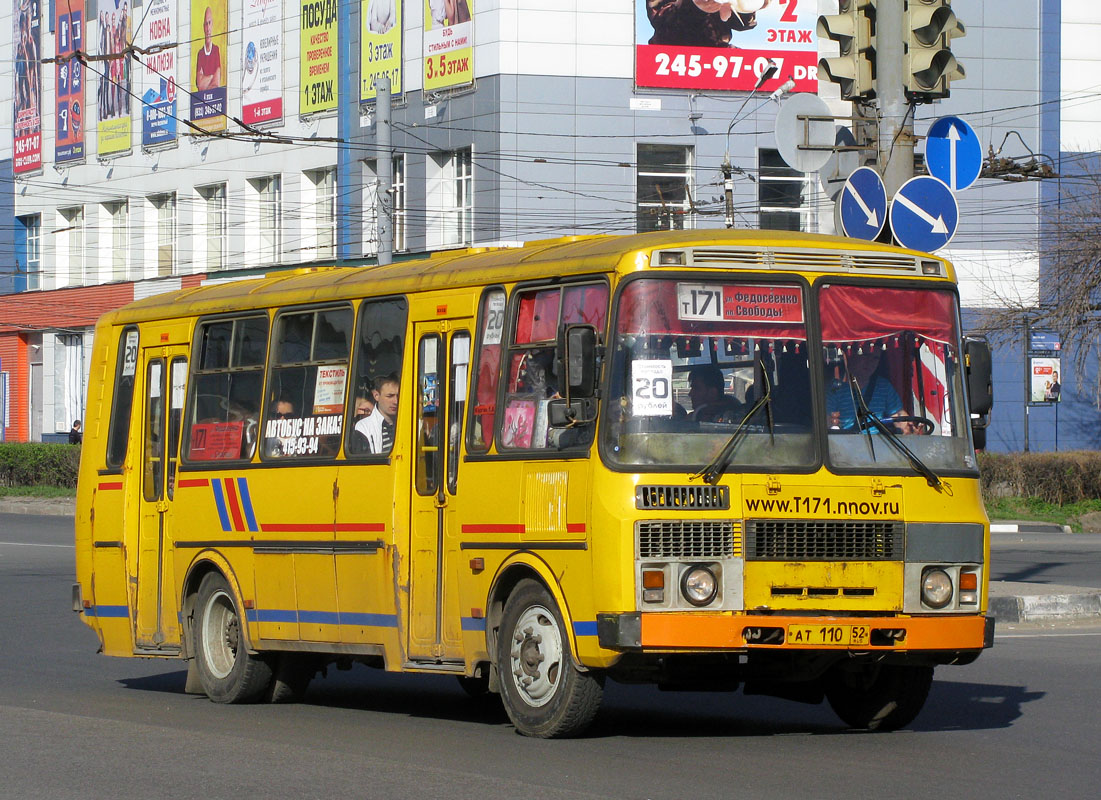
[(155, 620), (443, 359)]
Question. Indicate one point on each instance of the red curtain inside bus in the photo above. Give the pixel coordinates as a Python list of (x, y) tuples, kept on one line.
[(863, 313)]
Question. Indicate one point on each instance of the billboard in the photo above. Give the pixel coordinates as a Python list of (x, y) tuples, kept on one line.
[(717, 45), (1046, 385), (113, 96), (262, 62), (318, 62), (381, 46), (158, 73), (69, 73), (208, 63), (28, 87), (448, 44)]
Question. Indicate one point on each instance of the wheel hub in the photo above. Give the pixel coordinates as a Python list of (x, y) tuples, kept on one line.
[(536, 656)]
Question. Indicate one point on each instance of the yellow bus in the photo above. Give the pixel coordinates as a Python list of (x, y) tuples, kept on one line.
[(701, 459)]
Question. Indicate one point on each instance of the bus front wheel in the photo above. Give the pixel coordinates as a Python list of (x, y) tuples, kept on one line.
[(227, 671), (879, 697), (545, 695)]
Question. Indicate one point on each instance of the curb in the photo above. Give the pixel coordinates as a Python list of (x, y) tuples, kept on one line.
[(1069, 605), (1028, 527), (41, 507)]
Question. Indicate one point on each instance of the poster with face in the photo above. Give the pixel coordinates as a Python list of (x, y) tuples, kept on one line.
[(717, 45), (209, 46), (113, 95), (158, 73), (380, 46), (262, 63), (28, 88), (69, 74), (1046, 385), (448, 43)]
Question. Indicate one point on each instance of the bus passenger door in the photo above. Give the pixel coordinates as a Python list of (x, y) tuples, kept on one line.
[(155, 619), (443, 358)]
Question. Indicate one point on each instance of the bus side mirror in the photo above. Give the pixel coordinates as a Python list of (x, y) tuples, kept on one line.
[(978, 367), (577, 351)]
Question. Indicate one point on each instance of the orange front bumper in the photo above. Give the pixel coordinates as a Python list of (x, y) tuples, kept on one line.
[(742, 631)]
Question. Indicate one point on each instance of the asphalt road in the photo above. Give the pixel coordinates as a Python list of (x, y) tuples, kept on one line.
[(1020, 722), (1068, 559)]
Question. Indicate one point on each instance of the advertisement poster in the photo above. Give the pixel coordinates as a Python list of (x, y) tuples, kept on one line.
[(1046, 385), (262, 63), (381, 46), (113, 97), (717, 45), (28, 87), (318, 62), (448, 44), (69, 74), (209, 46), (158, 73)]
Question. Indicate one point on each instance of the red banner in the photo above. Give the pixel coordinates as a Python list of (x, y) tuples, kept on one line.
[(763, 303), (668, 67)]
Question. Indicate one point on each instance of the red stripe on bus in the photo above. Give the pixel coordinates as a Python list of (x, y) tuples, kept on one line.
[(191, 483), (575, 527), (234, 506), (493, 528), (110, 485)]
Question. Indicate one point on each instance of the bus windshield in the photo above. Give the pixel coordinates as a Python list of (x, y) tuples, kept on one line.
[(696, 364), (897, 349)]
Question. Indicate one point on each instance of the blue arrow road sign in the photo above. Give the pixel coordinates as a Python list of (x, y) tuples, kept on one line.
[(953, 153), (924, 214), (863, 204)]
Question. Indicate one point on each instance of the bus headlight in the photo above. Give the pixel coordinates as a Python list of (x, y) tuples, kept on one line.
[(699, 585), (936, 588)]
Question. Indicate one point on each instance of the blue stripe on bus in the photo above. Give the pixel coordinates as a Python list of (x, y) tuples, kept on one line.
[(107, 611), (584, 628), (220, 501), (246, 501), (321, 617), (474, 624)]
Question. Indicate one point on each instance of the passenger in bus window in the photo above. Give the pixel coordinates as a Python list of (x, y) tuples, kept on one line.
[(276, 445), (709, 403), (863, 363), (378, 426), (362, 407)]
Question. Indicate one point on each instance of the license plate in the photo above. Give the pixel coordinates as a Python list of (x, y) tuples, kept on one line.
[(829, 635)]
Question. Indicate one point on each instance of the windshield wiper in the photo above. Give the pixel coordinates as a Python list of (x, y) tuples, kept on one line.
[(714, 470), (864, 414)]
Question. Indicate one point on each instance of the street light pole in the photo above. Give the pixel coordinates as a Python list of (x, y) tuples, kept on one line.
[(727, 168)]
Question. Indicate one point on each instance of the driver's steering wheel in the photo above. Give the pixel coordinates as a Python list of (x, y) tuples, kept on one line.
[(927, 424)]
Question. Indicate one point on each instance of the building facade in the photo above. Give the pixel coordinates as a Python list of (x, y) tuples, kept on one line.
[(236, 137)]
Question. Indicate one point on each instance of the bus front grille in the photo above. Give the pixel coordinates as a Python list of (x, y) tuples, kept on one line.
[(683, 497), (822, 540), (688, 538)]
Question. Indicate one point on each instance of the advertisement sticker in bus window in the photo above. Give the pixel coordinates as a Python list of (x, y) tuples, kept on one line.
[(130, 355), (652, 388), (495, 318), (215, 441), (328, 394), (739, 303)]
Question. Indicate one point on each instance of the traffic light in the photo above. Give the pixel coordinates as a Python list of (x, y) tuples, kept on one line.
[(928, 64), (854, 30)]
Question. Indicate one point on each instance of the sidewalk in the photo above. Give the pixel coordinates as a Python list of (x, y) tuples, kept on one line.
[(1009, 602)]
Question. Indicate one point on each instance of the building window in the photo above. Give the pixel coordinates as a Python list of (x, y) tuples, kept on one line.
[(214, 199), (398, 195), (30, 260), (324, 181), (664, 187), (118, 214), (269, 194), (165, 205), (370, 205), (68, 380), (71, 245), (450, 199), (783, 194)]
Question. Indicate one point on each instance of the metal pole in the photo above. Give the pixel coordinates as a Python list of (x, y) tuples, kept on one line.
[(896, 137), (384, 165), (1028, 381), (728, 190)]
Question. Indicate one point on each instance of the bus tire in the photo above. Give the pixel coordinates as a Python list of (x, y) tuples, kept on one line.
[(880, 697), (544, 694), (227, 671)]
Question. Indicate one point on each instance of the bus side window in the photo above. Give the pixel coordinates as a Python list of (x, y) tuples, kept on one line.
[(227, 383), (488, 371), (376, 378), (119, 433), (308, 383)]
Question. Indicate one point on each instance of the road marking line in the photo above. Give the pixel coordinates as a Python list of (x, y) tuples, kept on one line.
[(39, 544), (1040, 635)]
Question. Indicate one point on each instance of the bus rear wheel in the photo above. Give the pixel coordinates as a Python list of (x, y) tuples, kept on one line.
[(545, 695), (227, 671), (879, 697)]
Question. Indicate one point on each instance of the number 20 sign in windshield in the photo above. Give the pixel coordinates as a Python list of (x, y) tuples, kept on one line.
[(725, 44)]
